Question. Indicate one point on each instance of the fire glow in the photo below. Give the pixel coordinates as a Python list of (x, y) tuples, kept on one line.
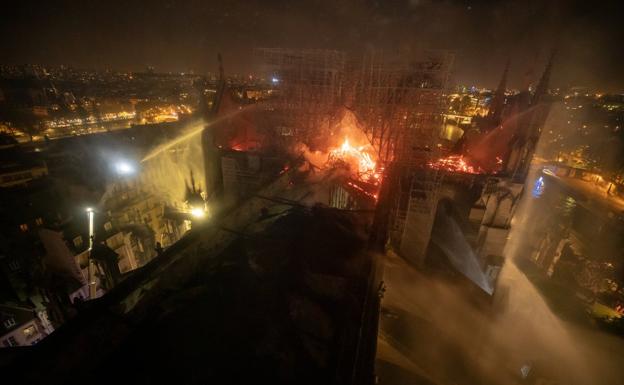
[(362, 190), (358, 159), (455, 163)]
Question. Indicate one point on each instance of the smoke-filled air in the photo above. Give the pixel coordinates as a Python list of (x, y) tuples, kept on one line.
[(312, 192)]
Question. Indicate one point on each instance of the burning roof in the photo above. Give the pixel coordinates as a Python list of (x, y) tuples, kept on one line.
[(456, 163), (359, 159)]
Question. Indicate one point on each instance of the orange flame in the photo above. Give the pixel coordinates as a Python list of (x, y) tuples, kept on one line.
[(358, 159), (455, 163)]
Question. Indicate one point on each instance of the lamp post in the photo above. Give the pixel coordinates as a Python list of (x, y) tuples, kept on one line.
[(91, 267)]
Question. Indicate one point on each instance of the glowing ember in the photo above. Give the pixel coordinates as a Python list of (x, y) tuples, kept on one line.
[(455, 163), (358, 159), (362, 190)]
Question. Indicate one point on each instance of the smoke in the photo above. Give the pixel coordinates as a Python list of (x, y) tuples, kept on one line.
[(316, 158), (483, 33), (592, 356), (347, 130), (166, 170), (435, 326), (485, 150)]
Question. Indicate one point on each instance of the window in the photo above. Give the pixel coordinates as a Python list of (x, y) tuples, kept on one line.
[(24, 227), (30, 331), (9, 322), (39, 221), (78, 241), (108, 226), (10, 342)]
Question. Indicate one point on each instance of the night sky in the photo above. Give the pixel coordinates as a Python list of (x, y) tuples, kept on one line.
[(186, 35)]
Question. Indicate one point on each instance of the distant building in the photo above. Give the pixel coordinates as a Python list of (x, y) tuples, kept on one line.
[(24, 211), (133, 209), (21, 326), (18, 167), (62, 261), (124, 244)]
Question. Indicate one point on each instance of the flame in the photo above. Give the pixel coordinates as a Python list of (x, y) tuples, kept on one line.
[(370, 194), (455, 163), (358, 159)]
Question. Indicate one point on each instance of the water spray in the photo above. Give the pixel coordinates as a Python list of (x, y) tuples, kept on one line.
[(160, 149)]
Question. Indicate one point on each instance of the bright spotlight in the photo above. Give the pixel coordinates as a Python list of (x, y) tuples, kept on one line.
[(275, 80), (198, 212), (124, 168), (89, 209)]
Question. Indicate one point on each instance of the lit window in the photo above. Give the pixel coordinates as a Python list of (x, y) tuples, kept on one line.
[(30, 331), (39, 221), (24, 227), (78, 241), (108, 226)]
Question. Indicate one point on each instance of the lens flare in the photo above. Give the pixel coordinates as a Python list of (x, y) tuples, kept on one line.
[(198, 213), (124, 168)]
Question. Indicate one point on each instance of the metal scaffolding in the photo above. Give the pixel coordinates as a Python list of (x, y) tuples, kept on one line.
[(309, 87), (399, 102)]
